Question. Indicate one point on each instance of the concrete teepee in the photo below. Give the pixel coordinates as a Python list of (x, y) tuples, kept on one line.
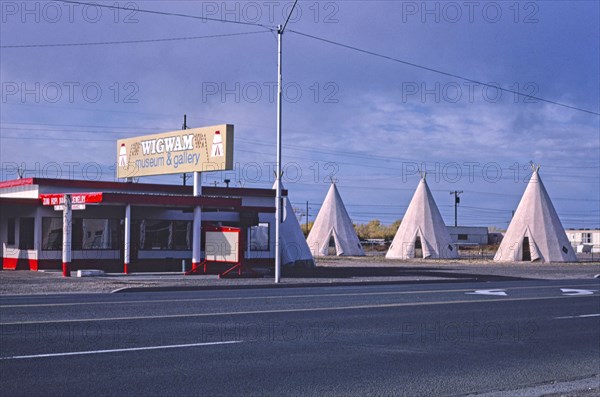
[(535, 232), (294, 250), (422, 224), (334, 222)]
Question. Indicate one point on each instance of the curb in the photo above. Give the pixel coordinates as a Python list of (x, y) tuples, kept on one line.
[(173, 288)]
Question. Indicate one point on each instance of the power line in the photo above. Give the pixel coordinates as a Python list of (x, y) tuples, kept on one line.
[(289, 16), (389, 58), (272, 28), (509, 176), (28, 138), (53, 130), (82, 126), (345, 152), (131, 41), (172, 14)]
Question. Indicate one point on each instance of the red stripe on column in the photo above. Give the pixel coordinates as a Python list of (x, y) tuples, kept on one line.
[(9, 263)]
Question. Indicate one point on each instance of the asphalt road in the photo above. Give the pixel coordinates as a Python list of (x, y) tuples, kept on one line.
[(413, 340)]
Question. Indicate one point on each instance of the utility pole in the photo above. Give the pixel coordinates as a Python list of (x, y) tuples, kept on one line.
[(278, 203), (456, 193), (278, 168), (307, 217)]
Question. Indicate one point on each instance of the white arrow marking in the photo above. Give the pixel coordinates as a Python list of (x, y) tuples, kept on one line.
[(497, 292), (573, 292)]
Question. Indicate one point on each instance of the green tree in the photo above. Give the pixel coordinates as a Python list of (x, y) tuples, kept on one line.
[(374, 229), (391, 230), (303, 227)]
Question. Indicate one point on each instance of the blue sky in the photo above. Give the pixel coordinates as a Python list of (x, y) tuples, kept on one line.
[(366, 121)]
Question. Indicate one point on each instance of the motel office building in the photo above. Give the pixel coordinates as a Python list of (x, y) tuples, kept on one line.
[(161, 224)]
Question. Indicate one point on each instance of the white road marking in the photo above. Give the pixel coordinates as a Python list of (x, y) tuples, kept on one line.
[(132, 349), (300, 310), (495, 292), (580, 316), (574, 292), (236, 298), (121, 302)]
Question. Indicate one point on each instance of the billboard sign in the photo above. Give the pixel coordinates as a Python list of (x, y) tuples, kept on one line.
[(197, 149)]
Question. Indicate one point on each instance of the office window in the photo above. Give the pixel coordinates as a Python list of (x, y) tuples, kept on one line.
[(10, 231), (182, 235), (586, 238), (463, 237), (86, 234), (97, 234), (158, 234), (259, 237), (26, 228), (52, 233)]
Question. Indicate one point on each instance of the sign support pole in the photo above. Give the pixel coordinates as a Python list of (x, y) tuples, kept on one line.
[(66, 248), (127, 239), (197, 225)]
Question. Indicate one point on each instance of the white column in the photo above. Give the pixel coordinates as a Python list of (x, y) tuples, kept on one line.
[(197, 226), (67, 226), (127, 239), (37, 240)]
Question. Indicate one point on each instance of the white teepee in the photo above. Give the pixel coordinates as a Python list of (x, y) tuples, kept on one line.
[(333, 221), (294, 250), (423, 222), (535, 232)]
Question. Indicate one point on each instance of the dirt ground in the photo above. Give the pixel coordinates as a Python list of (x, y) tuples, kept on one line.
[(328, 270)]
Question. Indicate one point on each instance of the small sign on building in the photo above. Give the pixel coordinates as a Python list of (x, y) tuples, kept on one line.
[(74, 207)]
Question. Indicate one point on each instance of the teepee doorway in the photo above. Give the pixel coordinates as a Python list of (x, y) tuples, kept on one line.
[(331, 250), (418, 248), (526, 250)]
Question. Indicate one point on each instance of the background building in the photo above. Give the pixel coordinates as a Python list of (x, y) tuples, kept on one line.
[(584, 240), (468, 235)]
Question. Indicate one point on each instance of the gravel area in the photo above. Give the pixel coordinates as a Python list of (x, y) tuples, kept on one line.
[(586, 387), (328, 270), (544, 271)]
